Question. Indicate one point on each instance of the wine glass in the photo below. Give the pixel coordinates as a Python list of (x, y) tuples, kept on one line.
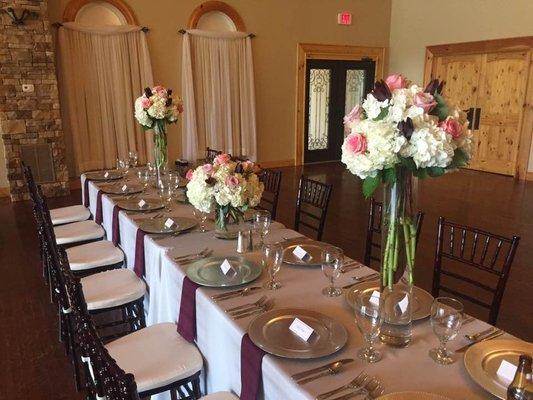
[(446, 318), (166, 193), (332, 260), (144, 178), (271, 258), (174, 179), (369, 318), (261, 224), (201, 217), (133, 158)]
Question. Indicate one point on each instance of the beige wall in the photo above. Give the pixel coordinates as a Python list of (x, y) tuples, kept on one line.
[(416, 24), (279, 26)]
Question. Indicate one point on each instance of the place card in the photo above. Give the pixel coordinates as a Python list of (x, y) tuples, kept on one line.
[(124, 188), (301, 253), (226, 267), (301, 329), (169, 223), (403, 304), (506, 371), (106, 175), (142, 203), (374, 297)]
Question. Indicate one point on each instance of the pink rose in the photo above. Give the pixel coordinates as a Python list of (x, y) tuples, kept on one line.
[(353, 117), (222, 159), (356, 143), (396, 81), (188, 175), (247, 166), (232, 182), (452, 127), (159, 90), (425, 101), (208, 169), (146, 102)]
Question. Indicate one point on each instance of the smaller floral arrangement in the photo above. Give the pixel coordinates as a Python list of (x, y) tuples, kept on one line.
[(156, 106), (227, 186)]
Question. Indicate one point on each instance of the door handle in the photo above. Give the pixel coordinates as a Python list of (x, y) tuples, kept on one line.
[(470, 114), (478, 117)]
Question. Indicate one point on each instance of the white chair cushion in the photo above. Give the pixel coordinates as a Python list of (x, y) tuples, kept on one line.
[(112, 288), (78, 232), (65, 215), (220, 396), (156, 356), (93, 255)]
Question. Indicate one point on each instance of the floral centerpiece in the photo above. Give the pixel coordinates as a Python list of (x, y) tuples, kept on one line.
[(402, 132), (226, 186), (155, 109)]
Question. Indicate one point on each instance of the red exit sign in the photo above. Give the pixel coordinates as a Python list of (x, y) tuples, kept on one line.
[(344, 18)]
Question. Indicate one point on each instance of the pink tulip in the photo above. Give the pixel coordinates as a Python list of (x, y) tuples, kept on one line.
[(425, 101), (452, 127), (396, 81), (356, 143), (232, 182), (222, 159)]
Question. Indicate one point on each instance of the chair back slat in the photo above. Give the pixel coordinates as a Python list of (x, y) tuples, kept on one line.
[(272, 181), (490, 255), (312, 205), (373, 230)]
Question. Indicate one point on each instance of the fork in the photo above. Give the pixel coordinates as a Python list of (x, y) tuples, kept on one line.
[(253, 307), (370, 389), (241, 308), (356, 383), (266, 307), (192, 255), (477, 335)]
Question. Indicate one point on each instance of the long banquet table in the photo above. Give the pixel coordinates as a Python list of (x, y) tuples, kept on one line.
[(219, 336)]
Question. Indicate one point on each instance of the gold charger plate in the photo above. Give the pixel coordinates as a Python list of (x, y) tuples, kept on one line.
[(270, 331), (157, 225), (133, 205), (314, 249), (207, 272), (118, 189), (112, 175), (422, 300), (412, 396), (483, 359)]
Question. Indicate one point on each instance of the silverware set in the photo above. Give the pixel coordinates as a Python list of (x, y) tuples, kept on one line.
[(247, 310), (351, 266), (362, 385), (318, 372), (187, 258), (235, 293), (488, 334), (361, 279)]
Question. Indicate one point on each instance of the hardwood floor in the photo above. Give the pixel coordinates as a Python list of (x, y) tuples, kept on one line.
[(33, 364)]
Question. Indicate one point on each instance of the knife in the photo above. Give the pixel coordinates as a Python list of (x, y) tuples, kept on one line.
[(488, 337), (303, 374), (366, 278), (233, 293)]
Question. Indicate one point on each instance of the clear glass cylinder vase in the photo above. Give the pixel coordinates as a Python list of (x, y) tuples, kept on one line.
[(160, 150), (228, 222), (398, 251)]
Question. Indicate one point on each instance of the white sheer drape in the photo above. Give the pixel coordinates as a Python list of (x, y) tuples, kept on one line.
[(219, 95), (101, 72)]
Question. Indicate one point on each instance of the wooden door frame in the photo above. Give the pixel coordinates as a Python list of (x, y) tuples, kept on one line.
[(494, 46), (309, 51)]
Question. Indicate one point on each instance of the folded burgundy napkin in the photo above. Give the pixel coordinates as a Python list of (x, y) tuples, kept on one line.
[(139, 253), (86, 193), (251, 371), (98, 216), (187, 317), (115, 235)]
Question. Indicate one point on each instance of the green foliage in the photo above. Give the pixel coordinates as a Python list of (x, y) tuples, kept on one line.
[(370, 184), (384, 112), (441, 109), (389, 175), (459, 159), (435, 171)]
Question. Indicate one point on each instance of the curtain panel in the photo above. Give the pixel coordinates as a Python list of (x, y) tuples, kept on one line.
[(101, 72), (219, 95)]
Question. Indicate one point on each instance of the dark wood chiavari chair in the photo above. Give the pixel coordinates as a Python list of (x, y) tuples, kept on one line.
[(210, 154), (312, 205), (272, 181), (373, 231), (474, 258)]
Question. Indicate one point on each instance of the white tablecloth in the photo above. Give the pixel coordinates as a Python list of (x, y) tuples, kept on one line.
[(219, 337)]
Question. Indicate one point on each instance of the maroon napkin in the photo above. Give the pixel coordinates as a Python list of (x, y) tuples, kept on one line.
[(86, 193), (251, 372), (139, 253), (98, 216), (114, 226), (187, 318)]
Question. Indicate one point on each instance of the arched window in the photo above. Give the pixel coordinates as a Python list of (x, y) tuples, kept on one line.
[(99, 12), (216, 21), (216, 16)]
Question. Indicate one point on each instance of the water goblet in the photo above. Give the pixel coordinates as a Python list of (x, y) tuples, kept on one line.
[(261, 223), (271, 254), (369, 318), (166, 193), (446, 318), (144, 177), (133, 158), (201, 217), (332, 260)]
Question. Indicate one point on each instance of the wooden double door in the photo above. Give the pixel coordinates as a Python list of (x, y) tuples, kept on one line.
[(491, 87)]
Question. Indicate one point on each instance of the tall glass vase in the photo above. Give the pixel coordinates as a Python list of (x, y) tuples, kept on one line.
[(398, 250), (160, 150), (228, 222)]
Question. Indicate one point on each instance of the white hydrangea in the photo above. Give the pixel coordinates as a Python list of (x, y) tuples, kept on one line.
[(158, 109), (429, 146), (199, 193), (373, 107)]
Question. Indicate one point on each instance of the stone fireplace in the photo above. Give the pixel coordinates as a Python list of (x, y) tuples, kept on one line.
[(30, 120)]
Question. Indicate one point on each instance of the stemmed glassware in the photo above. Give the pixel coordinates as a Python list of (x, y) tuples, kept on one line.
[(144, 177), (261, 222), (201, 217), (369, 318), (446, 318), (133, 158), (271, 258), (123, 166), (332, 260), (166, 193)]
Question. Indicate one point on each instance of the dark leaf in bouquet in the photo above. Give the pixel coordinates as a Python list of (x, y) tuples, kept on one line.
[(441, 109), (148, 92), (459, 159), (370, 184), (169, 92), (421, 173), (381, 91), (382, 114), (408, 163), (406, 127), (389, 175), (211, 181), (168, 103), (435, 171), (432, 86)]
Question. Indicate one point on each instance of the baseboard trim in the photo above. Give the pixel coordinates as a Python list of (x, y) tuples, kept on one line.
[(277, 164), (529, 176), (4, 191)]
